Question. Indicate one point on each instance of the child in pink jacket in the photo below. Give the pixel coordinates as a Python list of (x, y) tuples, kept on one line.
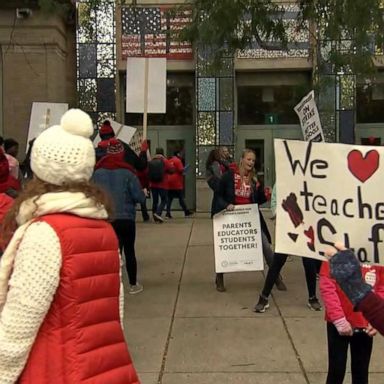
[(348, 328)]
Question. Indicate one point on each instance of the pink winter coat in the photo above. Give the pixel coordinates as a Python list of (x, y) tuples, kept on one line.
[(336, 303)]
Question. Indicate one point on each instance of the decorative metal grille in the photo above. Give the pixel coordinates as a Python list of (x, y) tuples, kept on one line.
[(96, 59), (215, 105), (298, 40)]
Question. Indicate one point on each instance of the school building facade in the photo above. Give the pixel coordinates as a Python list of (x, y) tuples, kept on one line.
[(247, 103)]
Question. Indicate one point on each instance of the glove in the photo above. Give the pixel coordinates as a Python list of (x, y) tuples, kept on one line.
[(343, 327), (345, 269), (144, 146)]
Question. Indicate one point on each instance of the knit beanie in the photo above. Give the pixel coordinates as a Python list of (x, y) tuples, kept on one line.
[(64, 153), (106, 129)]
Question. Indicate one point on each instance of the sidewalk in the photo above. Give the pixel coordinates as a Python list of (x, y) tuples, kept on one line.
[(180, 330)]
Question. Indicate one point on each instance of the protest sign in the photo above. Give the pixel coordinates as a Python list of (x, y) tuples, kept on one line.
[(309, 118), (237, 239), (156, 85), (43, 116), (327, 193), (122, 132)]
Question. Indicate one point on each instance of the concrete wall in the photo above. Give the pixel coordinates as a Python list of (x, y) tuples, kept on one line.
[(39, 64)]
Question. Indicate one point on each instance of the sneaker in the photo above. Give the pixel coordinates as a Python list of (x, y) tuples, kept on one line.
[(133, 289), (314, 304), (158, 218), (189, 214), (168, 216), (262, 305), (220, 283), (280, 284)]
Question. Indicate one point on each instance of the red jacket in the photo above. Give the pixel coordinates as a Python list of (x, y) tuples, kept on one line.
[(336, 303), (167, 168), (372, 307), (81, 339), (176, 179)]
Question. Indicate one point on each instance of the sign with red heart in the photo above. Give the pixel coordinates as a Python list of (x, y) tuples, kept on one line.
[(363, 167), (326, 193)]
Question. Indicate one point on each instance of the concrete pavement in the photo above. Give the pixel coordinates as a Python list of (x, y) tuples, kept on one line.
[(180, 330)]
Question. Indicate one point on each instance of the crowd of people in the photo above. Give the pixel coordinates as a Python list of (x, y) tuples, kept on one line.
[(61, 294)]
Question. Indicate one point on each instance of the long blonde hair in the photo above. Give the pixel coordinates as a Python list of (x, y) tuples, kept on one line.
[(252, 173)]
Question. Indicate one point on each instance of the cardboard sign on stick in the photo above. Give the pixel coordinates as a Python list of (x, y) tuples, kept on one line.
[(122, 132), (237, 239), (43, 116), (309, 118), (327, 193), (157, 85)]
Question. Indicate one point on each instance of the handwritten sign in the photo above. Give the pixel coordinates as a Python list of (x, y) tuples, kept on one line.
[(309, 118), (237, 239), (328, 193)]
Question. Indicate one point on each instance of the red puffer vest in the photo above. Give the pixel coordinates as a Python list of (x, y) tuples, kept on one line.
[(81, 339)]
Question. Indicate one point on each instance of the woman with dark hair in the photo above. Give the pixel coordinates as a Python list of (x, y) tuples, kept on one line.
[(60, 288), (239, 186)]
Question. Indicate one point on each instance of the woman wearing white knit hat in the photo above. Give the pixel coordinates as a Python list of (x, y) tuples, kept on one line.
[(60, 287)]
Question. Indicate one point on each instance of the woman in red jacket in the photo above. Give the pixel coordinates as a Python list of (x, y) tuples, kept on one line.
[(345, 269), (60, 289), (345, 327)]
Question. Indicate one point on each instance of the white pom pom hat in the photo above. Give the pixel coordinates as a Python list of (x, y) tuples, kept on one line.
[(64, 153)]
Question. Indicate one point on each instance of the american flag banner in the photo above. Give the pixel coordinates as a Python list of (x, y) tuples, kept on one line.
[(148, 32)]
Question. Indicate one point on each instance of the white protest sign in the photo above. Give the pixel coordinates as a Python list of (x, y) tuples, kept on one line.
[(309, 118), (43, 116), (328, 193), (237, 239), (157, 85), (122, 132)]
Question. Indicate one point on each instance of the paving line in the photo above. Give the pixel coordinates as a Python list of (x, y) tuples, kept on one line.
[(291, 341), (161, 373)]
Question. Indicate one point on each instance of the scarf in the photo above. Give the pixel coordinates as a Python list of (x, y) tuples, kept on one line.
[(114, 161), (75, 203)]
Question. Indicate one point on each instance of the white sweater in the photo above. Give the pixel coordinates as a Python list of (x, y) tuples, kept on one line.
[(35, 278)]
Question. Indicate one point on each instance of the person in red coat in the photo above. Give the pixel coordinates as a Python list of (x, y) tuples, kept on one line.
[(176, 185), (345, 327), (345, 269), (8, 184), (61, 298)]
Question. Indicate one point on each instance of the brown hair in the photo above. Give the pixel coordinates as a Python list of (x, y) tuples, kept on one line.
[(36, 188), (252, 173)]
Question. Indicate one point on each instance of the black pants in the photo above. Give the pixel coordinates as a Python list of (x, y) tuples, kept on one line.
[(176, 194), (277, 264), (144, 210), (126, 233), (163, 194), (361, 349)]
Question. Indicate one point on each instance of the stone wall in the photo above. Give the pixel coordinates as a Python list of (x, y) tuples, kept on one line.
[(38, 56)]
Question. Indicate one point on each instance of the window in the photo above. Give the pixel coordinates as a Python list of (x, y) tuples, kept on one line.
[(370, 104), (269, 104), (180, 103)]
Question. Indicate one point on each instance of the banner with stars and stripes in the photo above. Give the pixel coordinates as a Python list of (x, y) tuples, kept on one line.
[(149, 32)]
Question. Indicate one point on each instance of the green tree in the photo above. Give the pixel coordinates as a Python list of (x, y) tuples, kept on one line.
[(345, 33)]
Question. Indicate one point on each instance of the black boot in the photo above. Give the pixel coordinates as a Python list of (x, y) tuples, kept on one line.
[(220, 282)]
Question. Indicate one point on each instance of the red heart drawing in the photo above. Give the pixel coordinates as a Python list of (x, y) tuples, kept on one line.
[(310, 233), (363, 167)]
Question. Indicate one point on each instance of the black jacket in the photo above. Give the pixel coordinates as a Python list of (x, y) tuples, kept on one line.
[(226, 196)]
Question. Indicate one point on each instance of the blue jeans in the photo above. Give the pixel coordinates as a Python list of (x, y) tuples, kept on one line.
[(163, 194)]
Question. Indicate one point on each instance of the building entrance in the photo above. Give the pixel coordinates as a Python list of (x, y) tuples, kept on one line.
[(178, 139)]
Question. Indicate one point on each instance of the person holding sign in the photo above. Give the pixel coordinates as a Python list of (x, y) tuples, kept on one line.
[(274, 270), (348, 328), (239, 186), (345, 269)]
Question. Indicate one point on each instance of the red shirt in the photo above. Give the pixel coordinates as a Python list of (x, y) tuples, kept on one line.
[(243, 190)]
